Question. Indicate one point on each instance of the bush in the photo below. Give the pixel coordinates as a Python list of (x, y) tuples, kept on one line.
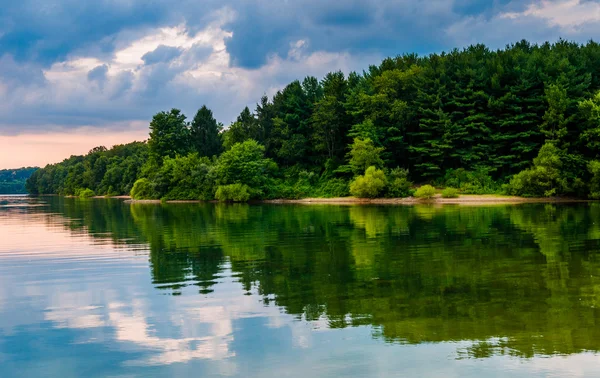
[(86, 193), (142, 189), (425, 192), (544, 179), (186, 178), (399, 185), (450, 193), (469, 182), (332, 188), (233, 193), (369, 185), (244, 163), (594, 169)]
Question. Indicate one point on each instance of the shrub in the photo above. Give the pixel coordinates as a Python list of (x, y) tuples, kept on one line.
[(244, 163), (469, 182), (450, 193), (369, 185), (594, 169), (425, 192), (186, 178), (544, 179), (142, 189), (86, 193), (399, 185), (233, 193), (336, 187)]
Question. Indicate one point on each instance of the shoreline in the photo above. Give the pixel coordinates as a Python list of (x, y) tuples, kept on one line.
[(466, 199)]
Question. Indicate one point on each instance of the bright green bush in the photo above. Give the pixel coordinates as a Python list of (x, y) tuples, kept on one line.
[(245, 163), (544, 179), (450, 193), (142, 189), (364, 154), (86, 193), (233, 193), (369, 185), (425, 192)]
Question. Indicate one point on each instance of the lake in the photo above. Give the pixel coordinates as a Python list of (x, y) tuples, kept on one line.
[(102, 288)]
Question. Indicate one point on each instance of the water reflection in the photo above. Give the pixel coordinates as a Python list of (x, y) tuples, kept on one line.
[(239, 286)]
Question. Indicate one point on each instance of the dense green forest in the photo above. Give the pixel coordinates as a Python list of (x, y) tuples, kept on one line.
[(12, 181), (524, 120)]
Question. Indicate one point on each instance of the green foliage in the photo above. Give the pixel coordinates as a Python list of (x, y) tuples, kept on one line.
[(169, 134), (142, 189), (469, 182), (544, 179), (590, 135), (14, 181), (594, 169), (364, 154), (450, 193), (425, 192), (244, 164), (469, 119), (370, 185), (85, 193), (204, 133), (332, 188), (398, 184), (104, 171), (233, 193), (185, 178)]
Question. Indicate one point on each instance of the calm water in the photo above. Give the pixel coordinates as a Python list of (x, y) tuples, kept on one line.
[(99, 288)]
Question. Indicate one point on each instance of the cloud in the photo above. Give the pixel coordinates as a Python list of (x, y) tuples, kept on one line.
[(66, 65), (98, 75), (569, 15), (161, 54), (166, 67)]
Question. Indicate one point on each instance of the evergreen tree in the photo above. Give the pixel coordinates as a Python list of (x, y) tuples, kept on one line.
[(204, 133)]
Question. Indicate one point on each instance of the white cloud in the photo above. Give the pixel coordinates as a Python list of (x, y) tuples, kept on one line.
[(567, 14), (133, 91)]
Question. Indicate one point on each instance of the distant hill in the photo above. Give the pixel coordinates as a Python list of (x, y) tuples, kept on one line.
[(12, 181)]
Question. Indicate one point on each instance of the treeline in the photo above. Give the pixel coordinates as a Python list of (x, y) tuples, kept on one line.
[(12, 181), (524, 120), (108, 172)]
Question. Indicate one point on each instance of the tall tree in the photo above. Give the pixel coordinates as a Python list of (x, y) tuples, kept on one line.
[(329, 119), (169, 135), (204, 132)]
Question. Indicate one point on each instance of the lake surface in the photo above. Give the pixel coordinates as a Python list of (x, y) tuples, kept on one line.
[(100, 288)]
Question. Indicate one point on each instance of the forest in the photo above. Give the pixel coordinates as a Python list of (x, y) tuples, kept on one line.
[(523, 120), (12, 181)]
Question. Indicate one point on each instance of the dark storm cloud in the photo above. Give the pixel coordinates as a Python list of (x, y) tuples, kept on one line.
[(46, 31)]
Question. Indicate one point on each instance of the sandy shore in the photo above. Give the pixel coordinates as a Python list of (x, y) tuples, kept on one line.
[(467, 199)]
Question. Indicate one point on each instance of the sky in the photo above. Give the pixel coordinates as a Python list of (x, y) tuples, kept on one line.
[(77, 74)]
